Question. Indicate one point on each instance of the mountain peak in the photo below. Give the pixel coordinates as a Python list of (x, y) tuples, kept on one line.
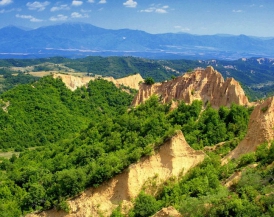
[(12, 28), (207, 85)]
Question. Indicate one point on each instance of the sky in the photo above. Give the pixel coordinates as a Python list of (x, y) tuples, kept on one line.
[(201, 17)]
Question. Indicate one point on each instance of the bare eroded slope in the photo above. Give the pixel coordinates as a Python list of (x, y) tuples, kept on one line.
[(174, 156), (207, 85), (73, 82), (168, 212), (260, 129)]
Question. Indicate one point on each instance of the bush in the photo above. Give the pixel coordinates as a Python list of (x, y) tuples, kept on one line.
[(63, 205), (149, 81), (247, 159), (145, 205)]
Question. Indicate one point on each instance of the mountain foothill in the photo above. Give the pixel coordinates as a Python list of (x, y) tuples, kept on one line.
[(82, 140)]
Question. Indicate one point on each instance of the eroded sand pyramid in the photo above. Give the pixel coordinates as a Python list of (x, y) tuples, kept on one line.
[(73, 82), (260, 129), (174, 157), (207, 85)]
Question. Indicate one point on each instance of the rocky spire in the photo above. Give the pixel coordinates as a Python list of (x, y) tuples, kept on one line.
[(207, 85)]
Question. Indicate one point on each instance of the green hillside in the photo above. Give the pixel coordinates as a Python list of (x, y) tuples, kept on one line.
[(64, 142), (88, 136), (46, 111)]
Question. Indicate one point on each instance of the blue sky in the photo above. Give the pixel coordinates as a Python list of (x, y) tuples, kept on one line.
[(203, 17)]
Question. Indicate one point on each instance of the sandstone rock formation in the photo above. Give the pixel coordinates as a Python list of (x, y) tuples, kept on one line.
[(260, 129), (131, 81), (168, 212), (73, 82), (207, 85), (173, 158)]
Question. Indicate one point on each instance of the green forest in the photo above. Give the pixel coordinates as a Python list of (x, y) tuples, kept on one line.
[(64, 142)]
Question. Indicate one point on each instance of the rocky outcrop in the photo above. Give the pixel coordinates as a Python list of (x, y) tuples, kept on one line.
[(260, 129), (4, 105), (207, 85), (174, 157), (131, 81), (168, 212), (73, 82)]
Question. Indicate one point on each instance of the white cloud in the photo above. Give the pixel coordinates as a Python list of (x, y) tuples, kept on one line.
[(59, 8), (237, 11), (10, 10), (40, 6), (85, 11), (148, 10), (5, 2), (160, 11), (59, 17), (29, 17), (183, 29), (102, 2), (78, 15), (130, 4), (90, 1), (156, 9), (77, 3)]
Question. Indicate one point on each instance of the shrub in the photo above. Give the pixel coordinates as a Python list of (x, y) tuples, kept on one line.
[(145, 205), (149, 81), (247, 159)]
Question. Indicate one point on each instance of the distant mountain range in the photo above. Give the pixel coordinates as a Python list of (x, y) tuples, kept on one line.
[(81, 39)]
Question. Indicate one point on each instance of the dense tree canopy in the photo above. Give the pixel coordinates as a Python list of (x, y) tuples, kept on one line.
[(46, 111)]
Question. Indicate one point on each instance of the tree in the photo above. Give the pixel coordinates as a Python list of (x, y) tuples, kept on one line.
[(149, 81), (145, 205)]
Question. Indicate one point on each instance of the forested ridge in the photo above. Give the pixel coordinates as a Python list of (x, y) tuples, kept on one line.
[(46, 111), (83, 138)]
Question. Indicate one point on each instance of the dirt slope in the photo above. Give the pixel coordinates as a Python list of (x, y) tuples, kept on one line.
[(73, 82), (131, 81), (174, 156), (168, 212), (207, 85), (260, 129)]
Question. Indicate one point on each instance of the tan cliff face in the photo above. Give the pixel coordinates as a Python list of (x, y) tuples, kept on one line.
[(173, 158), (207, 85), (260, 129), (131, 81), (73, 82)]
